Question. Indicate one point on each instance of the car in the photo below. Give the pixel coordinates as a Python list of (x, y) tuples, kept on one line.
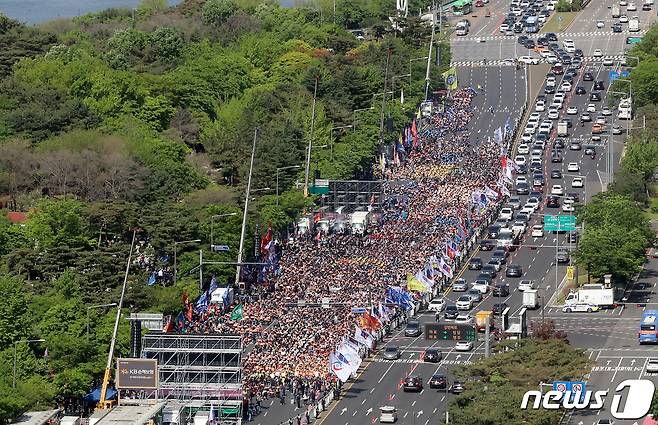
[(631, 7), (588, 76), (549, 89), (537, 231), (528, 60), (606, 112), (578, 53), (526, 285), (451, 312), (493, 231), (514, 270), (623, 19), (580, 90), (552, 202), (413, 328), (590, 150), (580, 308), (533, 202), (503, 27), (608, 62), (388, 415), (623, 3), (646, 7), (601, 120), (616, 27), (487, 245), (523, 148), (573, 237), (514, 202), (522, 189), (572, 110), (520, 159), (562, 255), (565, 86), (391, 352), (412, 383), (553, 114), (476, 296), (585, 117), (591, 108), (507, 213), (652, 366), (616, 129), (465, 302), (499, 308), (556, 157), (600, 24), (463, 346), (557, 190), (500, 252), (540, 106), (437, 305), (475, 263), (457, 387), (577, 182), (519, 226), (597, 128), (605, 421), (556, 174), (464, 319), (594, 97), (573, 196), (575, 145), (438, 381), (559, 142), (573, 167), (597, 53), (599, 85), (432, 355), (481, 287), (568, 206)]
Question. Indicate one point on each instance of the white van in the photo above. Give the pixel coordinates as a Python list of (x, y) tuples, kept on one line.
[(388, 415)]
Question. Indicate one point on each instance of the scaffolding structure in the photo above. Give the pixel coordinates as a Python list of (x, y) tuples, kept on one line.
[(354, 193), (200, 370)]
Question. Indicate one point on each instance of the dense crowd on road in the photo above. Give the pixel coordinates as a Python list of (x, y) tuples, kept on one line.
[(288, 343)]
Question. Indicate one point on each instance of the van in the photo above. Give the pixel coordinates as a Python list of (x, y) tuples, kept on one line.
[(388, 415)]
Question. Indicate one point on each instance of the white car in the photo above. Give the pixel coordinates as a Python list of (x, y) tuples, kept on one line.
[(464, 302), (565, 87), (528, 60), (527, 209), (507, 213), (464, 319), (631, 7), (601, 120), (503, 28), (606, 112), (577, 182), (463, 346), (537, 231), (600, 24), (559, 96), (591, 107), (579, 308), (533, 202), (520, 160), (530, 128), (550, 7), (623, 3), (553, 114), (572, 110), (597, 53), (519, 226), (573, 167), (437, 304), (652, 366), (540, 106), (551, 58), (557, 190), (623, 19), (526, 285), (517, 12), (523, 149), (482, 287), (567, 206)]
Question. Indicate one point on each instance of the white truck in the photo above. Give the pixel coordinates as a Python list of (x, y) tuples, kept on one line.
[(202, 418), (616, 12), (562, 129), (595, 294), (530, 299), (634, 24), (359, 222)]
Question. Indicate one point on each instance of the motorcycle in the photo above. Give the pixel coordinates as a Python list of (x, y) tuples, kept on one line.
[(593, 155)]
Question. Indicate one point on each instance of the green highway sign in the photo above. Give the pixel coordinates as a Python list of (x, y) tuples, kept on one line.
[(560, 223), (450, 332)]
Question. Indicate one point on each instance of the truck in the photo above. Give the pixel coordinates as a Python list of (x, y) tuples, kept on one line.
[(616, 12), (634, 24), (562, 129), (202, 418), (530, 299), (595, 294), (70, 420), (359, 222), (481, 320)]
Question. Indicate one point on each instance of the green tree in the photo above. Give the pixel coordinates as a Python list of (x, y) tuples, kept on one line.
[(216, 12), (156, 112), (630, 184), (14, 307), (166, 43)]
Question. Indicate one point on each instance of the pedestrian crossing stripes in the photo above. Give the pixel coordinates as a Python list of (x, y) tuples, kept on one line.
[(562, 36), (414, 361), (512, 62)]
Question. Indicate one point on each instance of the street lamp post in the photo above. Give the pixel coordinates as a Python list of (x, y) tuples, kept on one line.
[(13, 384), (176, 243), (277, 178), (97, 306), (212, 227), (413, 60), (331, 136), (393, 81)]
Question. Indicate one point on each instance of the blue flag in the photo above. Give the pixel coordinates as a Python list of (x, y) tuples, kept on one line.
[(152, 279)]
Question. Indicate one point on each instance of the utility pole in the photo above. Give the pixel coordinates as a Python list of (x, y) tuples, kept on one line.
[(310, 139), (246, 207), (381, 118), (487, 337), (429, 54)]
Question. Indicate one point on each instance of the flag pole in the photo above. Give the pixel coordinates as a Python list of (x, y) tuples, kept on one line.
[(246, 207)]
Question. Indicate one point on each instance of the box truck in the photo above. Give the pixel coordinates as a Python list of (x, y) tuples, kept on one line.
[(530, 299), (595, 294), (359, 222)]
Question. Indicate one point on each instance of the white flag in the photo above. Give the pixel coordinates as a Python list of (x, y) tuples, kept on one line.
[(338, 368), (352, 357), (363, 337), (401, 96)]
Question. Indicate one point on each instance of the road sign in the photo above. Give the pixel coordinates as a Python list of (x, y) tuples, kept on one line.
[(450, 332), (625, 73), (570, 272), (220, 248), (358, 310), (573, 386), (613, 75), (559, 223)]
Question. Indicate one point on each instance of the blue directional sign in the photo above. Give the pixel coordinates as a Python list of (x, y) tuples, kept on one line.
[(625, 74), (573, 386), (358, 310), (613, 75)]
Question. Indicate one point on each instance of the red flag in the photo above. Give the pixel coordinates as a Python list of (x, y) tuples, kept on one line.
[(169, 326), (451, 252), (266, 239), (317, 217), (318, 236), (188, 312), (369, 322), (414, 132), (186, 298)]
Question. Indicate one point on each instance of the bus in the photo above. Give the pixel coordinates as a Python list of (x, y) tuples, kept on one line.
[(648, 325), (462, 7), (625, 109)]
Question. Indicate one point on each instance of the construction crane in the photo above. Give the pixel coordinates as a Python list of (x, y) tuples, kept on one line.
[(103, 403)]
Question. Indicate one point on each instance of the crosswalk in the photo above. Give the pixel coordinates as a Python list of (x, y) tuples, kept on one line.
[(512, 62), (561, 36)]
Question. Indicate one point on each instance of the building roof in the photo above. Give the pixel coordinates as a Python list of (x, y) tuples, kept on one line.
[(35, 418), (131, 415)]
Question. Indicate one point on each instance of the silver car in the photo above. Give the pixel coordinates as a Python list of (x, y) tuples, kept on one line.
[(460, 287), (391, 353)]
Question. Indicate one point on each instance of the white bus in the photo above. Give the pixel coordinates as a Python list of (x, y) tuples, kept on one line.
[(625, 110)]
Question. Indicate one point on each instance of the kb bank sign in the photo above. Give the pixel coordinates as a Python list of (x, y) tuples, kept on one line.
[(637, 401)]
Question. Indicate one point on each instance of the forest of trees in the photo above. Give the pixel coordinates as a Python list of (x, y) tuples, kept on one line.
[(117, 120)]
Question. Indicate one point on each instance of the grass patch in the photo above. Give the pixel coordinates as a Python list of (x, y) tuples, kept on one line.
[(553, 24)]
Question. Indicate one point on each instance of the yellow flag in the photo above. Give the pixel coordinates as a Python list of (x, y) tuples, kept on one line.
[(414, 285), (450, 78)]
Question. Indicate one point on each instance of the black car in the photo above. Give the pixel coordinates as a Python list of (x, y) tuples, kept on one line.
[(551, 36), (475, 263), (514, 270), (522, 169), (413, 328), (578, 53), (553, 46), (542, 41), (487, 245), (598, 85), (580, 90), (537, 195), (521, 189), (573, 237), (595, 97), (556, 174), (549, 89), (568, 77), (552, 202), (484, 277), (501, 290), (492, 231), (498, 308), (438, 381), (500, 252), (517, 28), (522, 39), (489, 271), (568, 121), (530, 44), (559, 142), (412, 383), (556, 158), (588, 76), (522, 217), (432, 355), (617, 27), (566, 60), (450, 312)]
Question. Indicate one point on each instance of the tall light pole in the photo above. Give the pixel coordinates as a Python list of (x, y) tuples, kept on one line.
[(413, 60), (310, 139), (176, 243), (381, 118), (97, 306), (212, 227), (331, 136), (13, 385), (429, 54), (291, 167), (246, 208), (398, 76)]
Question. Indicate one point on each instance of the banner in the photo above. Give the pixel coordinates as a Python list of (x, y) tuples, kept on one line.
[(450, 78)]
